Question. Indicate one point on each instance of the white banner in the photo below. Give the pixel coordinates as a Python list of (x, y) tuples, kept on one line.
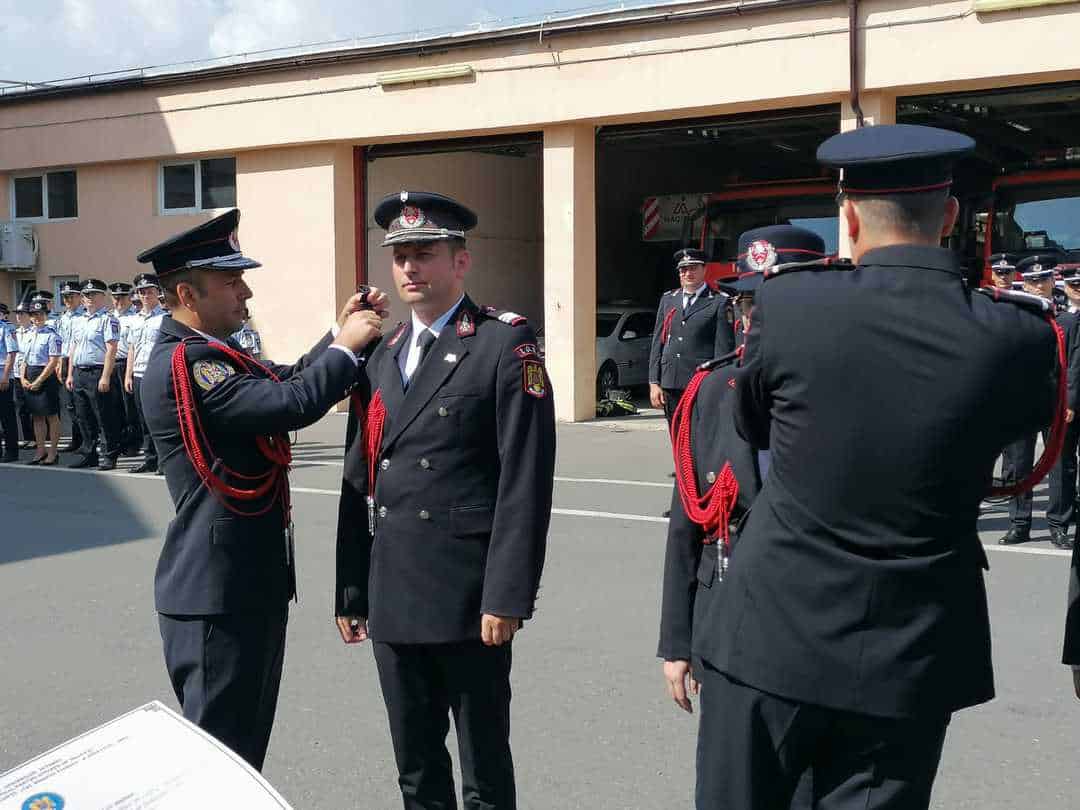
[(148, 759), (664, 216)]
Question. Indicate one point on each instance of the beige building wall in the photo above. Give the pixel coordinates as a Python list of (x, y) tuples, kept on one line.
[(507, 243)]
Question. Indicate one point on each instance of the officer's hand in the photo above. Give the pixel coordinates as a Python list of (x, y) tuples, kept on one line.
[(353, 629), (1069, 415), (103, 385), (376, 300), (129, 386), (498, 630), (656, 395), (69, 384), (359, 330), (5, 383), (680, 681)]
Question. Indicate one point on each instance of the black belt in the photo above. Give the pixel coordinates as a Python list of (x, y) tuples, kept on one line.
[(90, 368)]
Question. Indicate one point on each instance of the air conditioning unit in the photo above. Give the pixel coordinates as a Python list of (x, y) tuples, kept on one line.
[(18, 246)]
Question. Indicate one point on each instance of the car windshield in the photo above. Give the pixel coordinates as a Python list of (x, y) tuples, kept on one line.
[(606, 323), (1039, 224)]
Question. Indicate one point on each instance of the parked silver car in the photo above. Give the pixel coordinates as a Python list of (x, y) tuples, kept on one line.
[(623, 338)]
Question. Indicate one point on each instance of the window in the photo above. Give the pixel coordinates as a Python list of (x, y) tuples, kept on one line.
[(23, 288), (49, 195), (1038, 218), (198, 185), (640, 323), (606, 323)]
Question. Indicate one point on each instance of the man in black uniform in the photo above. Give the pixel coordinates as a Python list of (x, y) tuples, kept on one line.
[(854, 619), (1003, 270), (1019, 457), (220, 423), (1061, 510), (693, 325), (444, 512)]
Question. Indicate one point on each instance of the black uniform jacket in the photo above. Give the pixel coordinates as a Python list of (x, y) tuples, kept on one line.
[(689, 614), (857, 582), (463, 486), (696, 336), (1070, 322), (1070, 325), (214, 561)]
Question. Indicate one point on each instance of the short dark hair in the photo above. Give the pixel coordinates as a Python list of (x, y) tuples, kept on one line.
[(169, 283), (919, 214)]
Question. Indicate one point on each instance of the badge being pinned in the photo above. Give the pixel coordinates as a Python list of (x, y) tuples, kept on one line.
[(761, 255), (209, 374), (465, 324), (533, 380)]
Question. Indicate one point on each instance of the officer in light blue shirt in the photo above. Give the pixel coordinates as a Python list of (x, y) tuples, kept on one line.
[(71, 296), (248, 338), (9, 348), (22, 336), (47, 297), (128, 316), (97, 401), (141, 338)]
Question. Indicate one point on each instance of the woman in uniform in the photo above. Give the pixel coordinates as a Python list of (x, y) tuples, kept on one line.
[(22, 338), (40, 386)]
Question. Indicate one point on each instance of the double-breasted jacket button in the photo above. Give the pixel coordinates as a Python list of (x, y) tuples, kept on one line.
[(425, 514), (385, 464), (443, 411), (711, 477), (382, 511), (425, 464)]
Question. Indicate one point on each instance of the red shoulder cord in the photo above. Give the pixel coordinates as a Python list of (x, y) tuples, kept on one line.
[(1056, 440), (274, 483), (665, 329), (711, 510), (372, 423)]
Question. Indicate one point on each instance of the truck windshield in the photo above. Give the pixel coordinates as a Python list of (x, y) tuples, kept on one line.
[(1037, 218), (717, 226)]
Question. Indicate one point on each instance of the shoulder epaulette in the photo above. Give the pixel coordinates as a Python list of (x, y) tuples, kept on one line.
[(504, 315), (720, 362), (1035, 303), (827, 263), (676, 291)]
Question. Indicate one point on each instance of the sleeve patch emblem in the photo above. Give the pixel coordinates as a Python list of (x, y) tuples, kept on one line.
[(533, 380), (209, 374), (526, 350)]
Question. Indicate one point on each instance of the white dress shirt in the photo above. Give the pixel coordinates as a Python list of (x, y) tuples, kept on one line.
[(689, 298), (408, 361)]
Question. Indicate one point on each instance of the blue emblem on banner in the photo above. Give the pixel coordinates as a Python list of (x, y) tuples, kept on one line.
[(44, 801)]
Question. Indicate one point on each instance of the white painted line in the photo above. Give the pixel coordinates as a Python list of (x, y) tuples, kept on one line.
[(1037, 552)]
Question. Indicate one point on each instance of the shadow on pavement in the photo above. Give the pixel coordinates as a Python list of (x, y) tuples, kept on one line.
[(49, 512)]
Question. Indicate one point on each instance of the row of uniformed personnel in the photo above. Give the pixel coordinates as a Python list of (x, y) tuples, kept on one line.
[(88, 362)]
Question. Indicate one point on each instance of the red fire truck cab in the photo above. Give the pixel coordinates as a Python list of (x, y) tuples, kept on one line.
[(715, 227)]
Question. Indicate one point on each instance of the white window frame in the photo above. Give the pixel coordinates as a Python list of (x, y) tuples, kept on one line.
[(197, 163), (16, 298), (41, 174)]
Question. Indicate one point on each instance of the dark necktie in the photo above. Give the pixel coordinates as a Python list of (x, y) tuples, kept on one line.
[(425, 340)]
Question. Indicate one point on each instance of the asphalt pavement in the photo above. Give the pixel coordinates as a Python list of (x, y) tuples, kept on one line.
[(592, 724)]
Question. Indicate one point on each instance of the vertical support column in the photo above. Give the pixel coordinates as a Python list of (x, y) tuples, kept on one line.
[(878, 107), (570, 268)]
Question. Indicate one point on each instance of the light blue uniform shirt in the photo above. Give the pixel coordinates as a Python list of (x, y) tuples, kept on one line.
[(43, 342), (98, 330), (22, 338), (142, 337), (8, 342), (67, 317), (126, 318)]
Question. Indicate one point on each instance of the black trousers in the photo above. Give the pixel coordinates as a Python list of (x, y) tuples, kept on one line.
[(754, 747), (149, 450), (132, 422), (226, 671), (1018, 460), (671, 402), (422, 685), (67, 405), (98, 414), (22, 413), (9, 423), (1061, 511)]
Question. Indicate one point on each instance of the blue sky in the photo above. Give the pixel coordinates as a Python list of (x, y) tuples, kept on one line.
[(50, 39)]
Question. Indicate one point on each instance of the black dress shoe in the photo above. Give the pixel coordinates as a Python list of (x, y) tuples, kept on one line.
[(146, 467), (71, 448), (1060, 538), (1015, 536), (107, 464), (35, 460), (84, 462), (666, 513)]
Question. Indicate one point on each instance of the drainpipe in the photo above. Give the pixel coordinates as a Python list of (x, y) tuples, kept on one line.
[(853, 59)]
